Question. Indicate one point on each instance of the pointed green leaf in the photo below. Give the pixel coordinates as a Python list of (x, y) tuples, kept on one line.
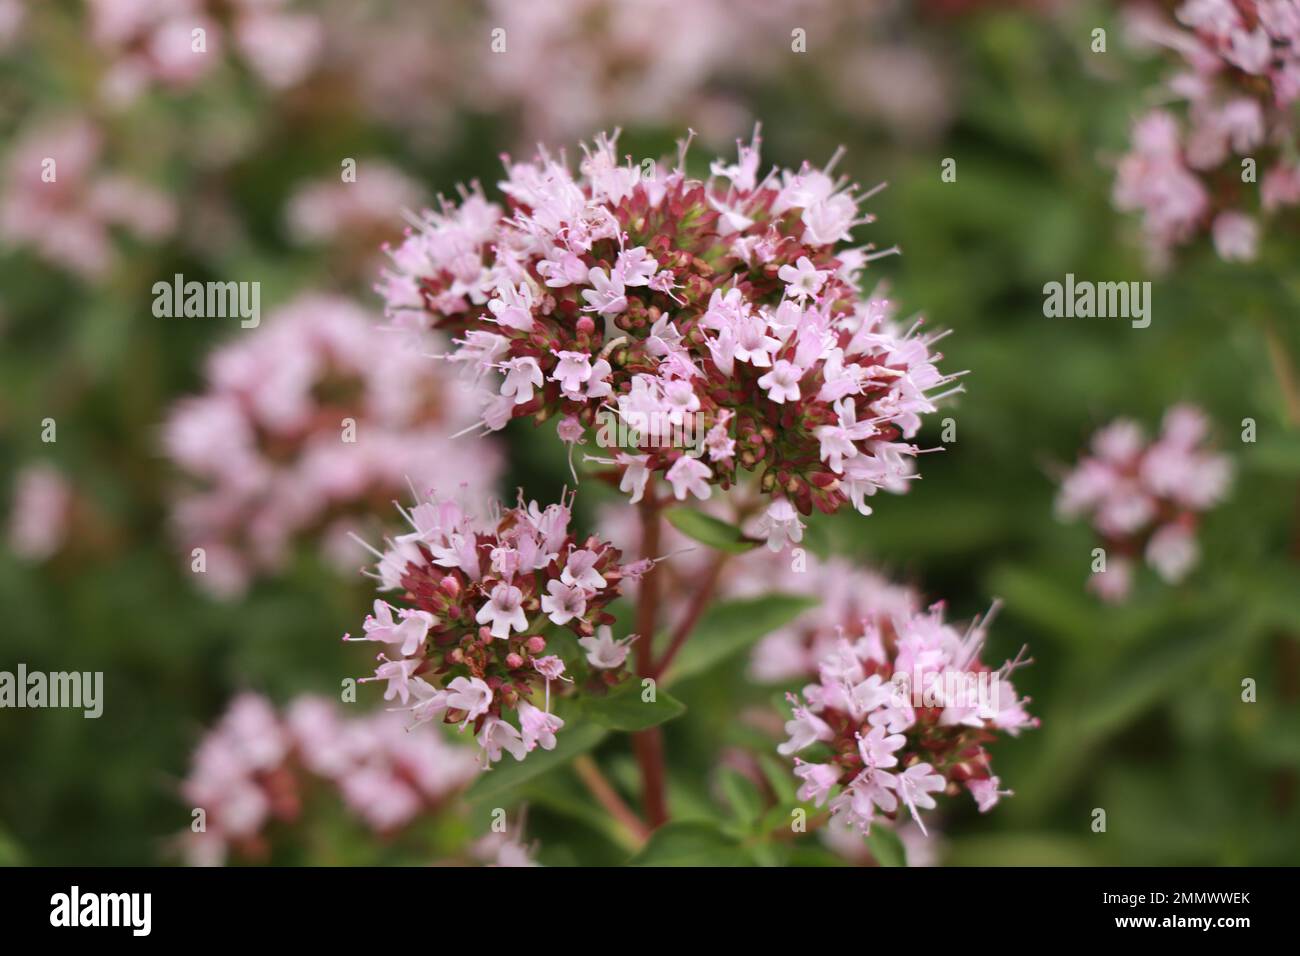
[(625, 709), (709, 530)]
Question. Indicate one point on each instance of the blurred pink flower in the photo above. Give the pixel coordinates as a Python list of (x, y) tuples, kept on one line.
[(176, 43), (56, 201), (311, 424), (41, 515), (330, 210), (252, 767), (1238, 90), (1145, 498)]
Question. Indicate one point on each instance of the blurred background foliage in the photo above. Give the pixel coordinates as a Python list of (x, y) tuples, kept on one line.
[(1141, 705)]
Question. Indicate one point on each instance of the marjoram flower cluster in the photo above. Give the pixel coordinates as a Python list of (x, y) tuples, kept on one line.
[(635, 291)]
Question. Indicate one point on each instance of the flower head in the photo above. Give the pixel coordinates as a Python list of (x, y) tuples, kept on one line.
[(1144, 498), (722, 307), (900, 711), (1233, 101), (481, 591)]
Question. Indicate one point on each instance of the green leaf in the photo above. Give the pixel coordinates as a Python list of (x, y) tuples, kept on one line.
[(731, 626), (503, 776), (779, 778), (742, 796), (709, 530), (625, 710), (691, 844), (886, 847)]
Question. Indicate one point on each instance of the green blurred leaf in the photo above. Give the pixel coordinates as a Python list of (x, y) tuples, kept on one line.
[(742, 796), (779, 778), (625, 710), (691, 844), (886, 847), (729, 627), (709, 530)]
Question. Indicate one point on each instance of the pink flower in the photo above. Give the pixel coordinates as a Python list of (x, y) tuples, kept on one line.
[(780, 525), (538, 726), (689, 476), (504, 610), (782, 383), (603, 652), (1144, 497), (1114, 583), (551, 667), (68, 220), (805, 729), (802, 279), (580, 570), (1233, 95), (471, 695), (877, 749), (410, 632), (635, 475), (915, 784), (607, 294), (398, 674), (986, 792), (1172, 551), (572, 372), (564, 602), (496, 736), (1236, 237), (40, 521), (818, 779), (522, 376)]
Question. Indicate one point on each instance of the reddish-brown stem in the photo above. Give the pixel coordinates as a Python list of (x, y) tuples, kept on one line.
[(693, 613), (608, 797), (648, 744)]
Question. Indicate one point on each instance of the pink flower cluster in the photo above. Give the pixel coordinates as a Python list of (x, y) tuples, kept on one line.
[(901, 712), (567, 66), (309, 421), (256, 766), (477, 594), (57, 202), (330, 209), (1240, 85), (175, 43), (727, 305), (1144, 498)]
